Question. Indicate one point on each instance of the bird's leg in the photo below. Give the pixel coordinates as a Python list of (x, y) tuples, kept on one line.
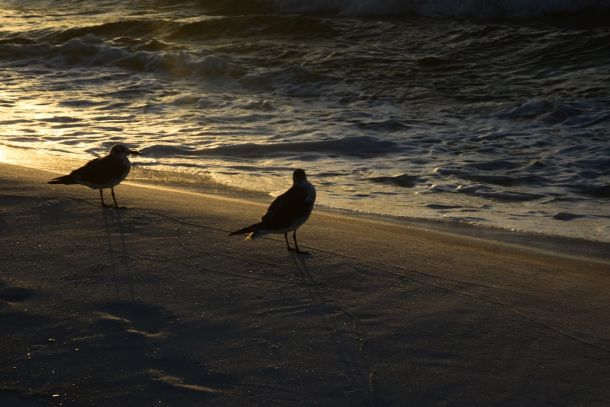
[(102, 197), (294, 237), (114, 199), (287, 244), (104, 204)]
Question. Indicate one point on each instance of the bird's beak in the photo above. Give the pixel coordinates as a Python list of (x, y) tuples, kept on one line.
[(134, 152)]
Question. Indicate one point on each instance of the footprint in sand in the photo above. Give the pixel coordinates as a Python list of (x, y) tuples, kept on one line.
[(14, 294), (183, 384), (152, 326), (131, 222), (139, 220), (144, 320)]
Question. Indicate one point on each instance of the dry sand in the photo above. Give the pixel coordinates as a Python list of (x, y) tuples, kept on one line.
[(155, 305)]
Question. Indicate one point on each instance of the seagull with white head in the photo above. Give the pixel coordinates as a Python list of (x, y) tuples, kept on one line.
[(286, 213)]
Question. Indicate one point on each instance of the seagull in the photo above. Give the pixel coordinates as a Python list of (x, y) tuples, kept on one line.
[(103, 172), (286, 213)]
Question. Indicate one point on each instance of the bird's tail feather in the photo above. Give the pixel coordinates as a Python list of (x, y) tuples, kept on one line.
[(248, 229), (66, 180)]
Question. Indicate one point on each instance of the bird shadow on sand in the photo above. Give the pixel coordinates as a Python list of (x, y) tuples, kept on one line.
[(116, 247), (15, 294), (347, 343)]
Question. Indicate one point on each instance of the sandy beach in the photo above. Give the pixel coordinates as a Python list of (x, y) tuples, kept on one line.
[(155, 305)]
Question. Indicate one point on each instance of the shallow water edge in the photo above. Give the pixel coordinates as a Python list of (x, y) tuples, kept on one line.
[(554, 245)]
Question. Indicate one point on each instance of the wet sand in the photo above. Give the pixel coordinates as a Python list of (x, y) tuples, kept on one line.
[(155, 305)]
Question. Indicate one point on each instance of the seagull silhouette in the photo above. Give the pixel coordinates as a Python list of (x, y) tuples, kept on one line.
[(102, 173), (286, 213)]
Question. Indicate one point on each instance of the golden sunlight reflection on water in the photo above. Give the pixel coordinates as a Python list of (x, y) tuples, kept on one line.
[(31, 158)]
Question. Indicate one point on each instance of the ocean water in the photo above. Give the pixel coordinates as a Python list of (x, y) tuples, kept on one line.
[(494, 113)]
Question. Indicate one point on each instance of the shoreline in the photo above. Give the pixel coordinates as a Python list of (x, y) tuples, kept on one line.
[(545, 243), (568, 235), (156, 305), (561, 246)]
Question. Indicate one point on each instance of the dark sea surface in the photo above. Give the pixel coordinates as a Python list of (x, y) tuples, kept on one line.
[(488, 112)]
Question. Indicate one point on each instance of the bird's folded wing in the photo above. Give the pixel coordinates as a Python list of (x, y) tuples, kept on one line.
[(286, 208), (100, 170)]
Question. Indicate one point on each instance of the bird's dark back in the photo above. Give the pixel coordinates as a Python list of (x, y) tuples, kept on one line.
[(100, 170), (286, 207)]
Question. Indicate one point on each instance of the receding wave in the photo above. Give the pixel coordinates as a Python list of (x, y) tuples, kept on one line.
[(485, 191), (347, 146), (504, 180), (402, 180)]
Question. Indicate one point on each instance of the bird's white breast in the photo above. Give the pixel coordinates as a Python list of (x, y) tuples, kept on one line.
[(127, 167), (310, 198)]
